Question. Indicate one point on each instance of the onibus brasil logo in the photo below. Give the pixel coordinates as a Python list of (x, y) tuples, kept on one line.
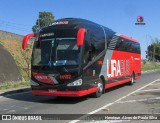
[(140, 20)]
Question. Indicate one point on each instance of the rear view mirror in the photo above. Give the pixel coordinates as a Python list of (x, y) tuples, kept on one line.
[(80, 37), (25, 40)]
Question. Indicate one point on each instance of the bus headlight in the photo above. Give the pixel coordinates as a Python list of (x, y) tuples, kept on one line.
[(76, 83), (34, 83)]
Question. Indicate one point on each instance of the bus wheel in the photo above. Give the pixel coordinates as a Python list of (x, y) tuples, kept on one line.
[(132, 79), (100, 89)]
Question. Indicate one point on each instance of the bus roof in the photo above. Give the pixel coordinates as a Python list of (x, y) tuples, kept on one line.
[(72, 23)]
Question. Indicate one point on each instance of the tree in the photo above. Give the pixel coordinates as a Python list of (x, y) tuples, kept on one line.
[(44, 19), (154, 50)]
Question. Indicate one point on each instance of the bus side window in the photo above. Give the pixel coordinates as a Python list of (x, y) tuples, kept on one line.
[(86, 57), (89, 55), (95, 52)]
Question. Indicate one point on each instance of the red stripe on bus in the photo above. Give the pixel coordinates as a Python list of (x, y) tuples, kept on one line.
[(129, 38), (117, 83)]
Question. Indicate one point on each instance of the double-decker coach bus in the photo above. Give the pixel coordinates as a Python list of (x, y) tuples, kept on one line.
[(76, 57)]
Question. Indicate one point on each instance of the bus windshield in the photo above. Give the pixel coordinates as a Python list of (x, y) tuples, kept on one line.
[(55, 52)]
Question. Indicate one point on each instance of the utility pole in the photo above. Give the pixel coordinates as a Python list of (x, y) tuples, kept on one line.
[(147, 52)]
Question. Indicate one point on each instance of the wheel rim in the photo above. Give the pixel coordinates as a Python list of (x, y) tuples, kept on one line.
[(132, 79), (100, 87)]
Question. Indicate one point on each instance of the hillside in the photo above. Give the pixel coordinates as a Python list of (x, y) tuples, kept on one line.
[(13, 42), (11, 36)]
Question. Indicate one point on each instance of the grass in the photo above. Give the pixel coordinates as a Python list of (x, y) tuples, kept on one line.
[(14, 47), (14, 85), (150, 66)]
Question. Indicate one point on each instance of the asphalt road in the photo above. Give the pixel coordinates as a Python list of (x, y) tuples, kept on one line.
[(124, 99)]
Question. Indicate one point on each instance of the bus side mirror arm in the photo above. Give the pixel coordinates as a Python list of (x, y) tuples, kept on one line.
[(25, 40), (80, 37)]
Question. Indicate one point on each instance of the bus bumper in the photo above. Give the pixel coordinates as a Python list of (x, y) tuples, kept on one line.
[(52, 92)]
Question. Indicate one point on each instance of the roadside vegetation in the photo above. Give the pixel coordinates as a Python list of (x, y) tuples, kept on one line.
[(150, 66), (14, 85), (23, 61), (22, 58)]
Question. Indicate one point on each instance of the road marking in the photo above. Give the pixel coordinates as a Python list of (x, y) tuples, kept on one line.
[(139, 100), (150, 90), (136, 90), (156, 83), (109, 104)]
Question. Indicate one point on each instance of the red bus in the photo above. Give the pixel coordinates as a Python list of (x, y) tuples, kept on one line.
[(76, 57)]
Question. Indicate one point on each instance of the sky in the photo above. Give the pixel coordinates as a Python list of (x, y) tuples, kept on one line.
[(18, 16)]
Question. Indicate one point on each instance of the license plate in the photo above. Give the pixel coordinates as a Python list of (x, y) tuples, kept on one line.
[(52, 90)]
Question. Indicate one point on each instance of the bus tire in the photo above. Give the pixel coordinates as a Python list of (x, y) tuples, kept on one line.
[(132, 79), (100, 89)]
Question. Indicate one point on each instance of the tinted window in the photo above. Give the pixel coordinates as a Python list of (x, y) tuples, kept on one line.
[(95, 35), (127, 46)]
